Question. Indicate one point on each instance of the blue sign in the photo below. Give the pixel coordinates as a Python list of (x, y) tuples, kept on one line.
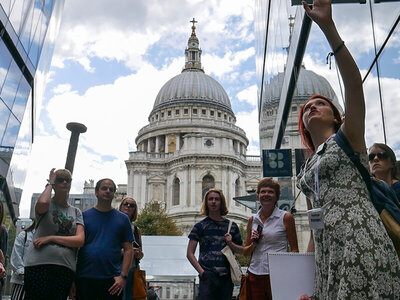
[(277, 163)]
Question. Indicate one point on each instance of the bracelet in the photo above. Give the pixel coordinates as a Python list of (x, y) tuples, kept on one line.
[(330, 54), (123, 276)]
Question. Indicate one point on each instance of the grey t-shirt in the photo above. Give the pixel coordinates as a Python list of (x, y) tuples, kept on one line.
[(58, 220)]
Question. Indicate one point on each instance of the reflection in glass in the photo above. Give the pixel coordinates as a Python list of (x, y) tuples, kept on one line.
[(11, 134), (18, 14), (18, 108), (6, 4), (5, 60), (4, 115), (11, 84)]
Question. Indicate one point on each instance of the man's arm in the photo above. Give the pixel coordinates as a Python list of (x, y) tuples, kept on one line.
[(191, 249), (118, 286)]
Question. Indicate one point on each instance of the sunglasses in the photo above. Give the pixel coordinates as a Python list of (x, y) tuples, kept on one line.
[(61, 180), (131, 205), (381, 155)]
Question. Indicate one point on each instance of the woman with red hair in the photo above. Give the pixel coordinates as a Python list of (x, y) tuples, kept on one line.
[(355, 258)]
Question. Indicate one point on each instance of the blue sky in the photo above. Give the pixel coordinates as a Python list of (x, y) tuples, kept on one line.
[(110, 61)]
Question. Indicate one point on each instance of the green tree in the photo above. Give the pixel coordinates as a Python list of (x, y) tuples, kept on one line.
[(153, 220), (244, 261)]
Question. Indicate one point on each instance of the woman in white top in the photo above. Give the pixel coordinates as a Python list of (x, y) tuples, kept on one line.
[(270, 230)]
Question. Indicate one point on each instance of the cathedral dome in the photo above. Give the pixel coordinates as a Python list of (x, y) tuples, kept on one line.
[(192, 85), (309, 83)]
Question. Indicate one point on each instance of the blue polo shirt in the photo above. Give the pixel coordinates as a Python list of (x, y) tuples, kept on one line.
[(105, 233)]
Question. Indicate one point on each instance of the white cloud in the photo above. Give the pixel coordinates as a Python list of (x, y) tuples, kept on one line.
[(248, 121), (249, 95), (62, 88)]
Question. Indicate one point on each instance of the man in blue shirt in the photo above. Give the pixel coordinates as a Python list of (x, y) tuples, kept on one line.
[(100, 274)]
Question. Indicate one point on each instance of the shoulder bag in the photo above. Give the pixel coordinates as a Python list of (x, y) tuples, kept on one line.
[(236, 272), (139, 287), (382, 196)]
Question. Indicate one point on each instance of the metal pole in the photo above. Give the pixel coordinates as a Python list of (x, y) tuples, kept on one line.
[(76, 129)]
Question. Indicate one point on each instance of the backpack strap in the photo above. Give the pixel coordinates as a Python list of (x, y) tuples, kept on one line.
[(229, 226), (343, 143)]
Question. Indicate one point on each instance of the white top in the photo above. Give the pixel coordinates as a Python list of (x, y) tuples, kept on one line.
[(274, 240)]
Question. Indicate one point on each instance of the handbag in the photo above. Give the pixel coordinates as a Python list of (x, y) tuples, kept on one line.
[(139, 287), (382, 196), (236, 272), (244, 293)]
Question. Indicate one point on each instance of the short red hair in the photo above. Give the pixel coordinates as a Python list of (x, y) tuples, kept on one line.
[(305, 135)]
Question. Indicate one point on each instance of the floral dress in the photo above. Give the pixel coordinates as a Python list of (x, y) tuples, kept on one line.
[(355, 258)]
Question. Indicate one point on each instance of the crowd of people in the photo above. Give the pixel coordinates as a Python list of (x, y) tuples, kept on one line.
[(354, 256)]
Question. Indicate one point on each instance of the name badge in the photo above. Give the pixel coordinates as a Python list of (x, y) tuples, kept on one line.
[(316, 218)]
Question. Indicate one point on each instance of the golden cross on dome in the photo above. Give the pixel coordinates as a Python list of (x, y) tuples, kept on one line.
[(193, 26)]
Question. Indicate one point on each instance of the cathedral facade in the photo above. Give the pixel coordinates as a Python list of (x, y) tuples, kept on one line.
[(190, 145)]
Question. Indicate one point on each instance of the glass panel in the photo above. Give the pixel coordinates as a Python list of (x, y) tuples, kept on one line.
[(19, 106), (49, 6), (37, 42), (385, 15), (5, 60), (11, 134), (389, 66), (25, 35), (18, 14), (6, 4), (11, 84), (4, 115)]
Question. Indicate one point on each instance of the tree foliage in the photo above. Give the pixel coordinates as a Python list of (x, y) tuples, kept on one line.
[(153, 220), (244, 261)]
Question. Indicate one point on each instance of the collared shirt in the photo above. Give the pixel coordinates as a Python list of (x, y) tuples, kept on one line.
[(274, 240)]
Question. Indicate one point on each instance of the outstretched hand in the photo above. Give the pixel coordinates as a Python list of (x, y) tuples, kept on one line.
[(320, 13)]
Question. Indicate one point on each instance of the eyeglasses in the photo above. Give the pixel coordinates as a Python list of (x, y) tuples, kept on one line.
[(381, 155), (61, 180), (131, 205)]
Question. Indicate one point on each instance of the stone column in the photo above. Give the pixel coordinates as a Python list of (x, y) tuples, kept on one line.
[(135, 190), (157, 144), (184, 192), (148, 145), (129, 191), (192, 187), (178, 138), (166, 143), (224, 184), (143, 188)]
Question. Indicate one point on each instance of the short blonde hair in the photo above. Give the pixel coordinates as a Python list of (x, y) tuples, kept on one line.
[(135, 213), (204, 208), (63, 173)]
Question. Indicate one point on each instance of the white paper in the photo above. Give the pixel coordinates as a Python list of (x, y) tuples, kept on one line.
[(291, 274)]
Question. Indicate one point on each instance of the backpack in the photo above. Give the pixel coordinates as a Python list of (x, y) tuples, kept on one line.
[(382, 196)]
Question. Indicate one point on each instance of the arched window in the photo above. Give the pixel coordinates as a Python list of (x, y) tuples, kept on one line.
[(237, 190), (208, 183), (175, 192)]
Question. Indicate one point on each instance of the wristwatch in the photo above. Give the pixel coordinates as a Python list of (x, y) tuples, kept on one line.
[(123, 276)]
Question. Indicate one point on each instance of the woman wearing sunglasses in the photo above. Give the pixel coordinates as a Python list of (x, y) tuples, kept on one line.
[(382, 163), (51, 261), (129, 207)]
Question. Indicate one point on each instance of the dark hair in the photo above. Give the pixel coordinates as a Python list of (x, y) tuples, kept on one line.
[(134, 216), (97, 187), (269, 182), (392, 156), (204, 208), (305, 135), (31, 227)]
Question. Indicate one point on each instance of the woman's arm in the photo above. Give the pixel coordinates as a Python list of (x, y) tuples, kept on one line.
[(235, 248), (353, 126), (311, 245), (290, 226), (249, 245), (73, 241), (191, 249), (138, 252), (17, 254), (43, 203)]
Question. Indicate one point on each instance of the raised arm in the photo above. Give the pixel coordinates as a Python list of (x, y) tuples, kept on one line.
[(353, 127), (43, 203)]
